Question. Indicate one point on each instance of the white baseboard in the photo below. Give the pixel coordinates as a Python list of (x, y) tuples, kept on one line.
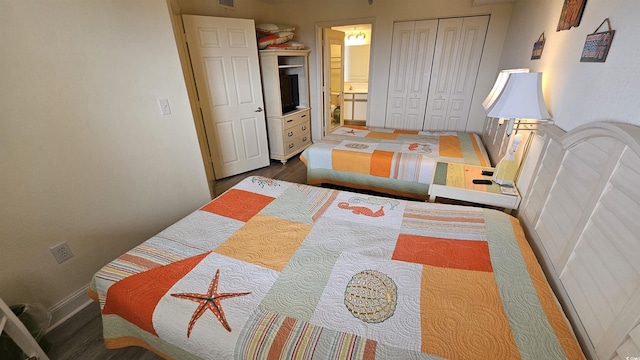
[(69, 306)]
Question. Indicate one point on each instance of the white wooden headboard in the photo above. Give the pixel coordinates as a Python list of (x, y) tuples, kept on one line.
[(582, 217)]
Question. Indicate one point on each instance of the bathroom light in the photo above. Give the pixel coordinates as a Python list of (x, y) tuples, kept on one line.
[(355, 39)]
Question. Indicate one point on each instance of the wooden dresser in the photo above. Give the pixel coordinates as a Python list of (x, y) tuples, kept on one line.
[(290, 132)]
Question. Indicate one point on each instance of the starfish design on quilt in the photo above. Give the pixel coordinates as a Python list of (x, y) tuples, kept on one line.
[(209, 301)]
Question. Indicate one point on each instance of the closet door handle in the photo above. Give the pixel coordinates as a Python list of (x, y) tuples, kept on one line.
[(259, 110)]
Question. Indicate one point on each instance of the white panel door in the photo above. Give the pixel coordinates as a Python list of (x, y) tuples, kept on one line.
[(411, 62), (455, 69), (224, 57)]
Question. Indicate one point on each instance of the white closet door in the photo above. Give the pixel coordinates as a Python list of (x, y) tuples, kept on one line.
[(455, 68), (411, 62)]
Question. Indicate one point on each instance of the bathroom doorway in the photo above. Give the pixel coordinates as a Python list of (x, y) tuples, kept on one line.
[(346, 55)]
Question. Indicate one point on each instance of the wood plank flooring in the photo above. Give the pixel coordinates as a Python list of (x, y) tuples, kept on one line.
[(80, 337)]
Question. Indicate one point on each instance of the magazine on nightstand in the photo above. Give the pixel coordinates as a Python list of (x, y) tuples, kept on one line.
[(508, 190)]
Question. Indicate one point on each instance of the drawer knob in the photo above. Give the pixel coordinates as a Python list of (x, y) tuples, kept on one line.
[(304, 138), (290, 120), (304, 115), (290, 133), (304, 128), (291, 146)]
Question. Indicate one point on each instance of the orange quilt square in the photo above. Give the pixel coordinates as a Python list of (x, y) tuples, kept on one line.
[(238, 204), (450, 147), (381, 163), (382, 135), (445, 253), (351, 161), (265, 241)]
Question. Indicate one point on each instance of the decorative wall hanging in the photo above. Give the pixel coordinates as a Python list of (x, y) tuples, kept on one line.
[(571, 14), (537, 48), (596, 46)]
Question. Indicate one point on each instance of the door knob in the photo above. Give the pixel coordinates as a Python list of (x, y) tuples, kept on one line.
[(259, 110)]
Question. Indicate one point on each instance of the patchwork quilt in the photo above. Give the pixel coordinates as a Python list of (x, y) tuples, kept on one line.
[(272, 269), (397, 162)]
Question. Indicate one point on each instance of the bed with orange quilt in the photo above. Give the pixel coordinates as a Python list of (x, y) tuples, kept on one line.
[(395, 162), (271, 269)]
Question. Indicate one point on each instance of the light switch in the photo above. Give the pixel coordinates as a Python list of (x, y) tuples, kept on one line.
[(164, 106)]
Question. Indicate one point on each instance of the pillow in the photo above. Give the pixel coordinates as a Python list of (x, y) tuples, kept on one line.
[(269, 29), (284, 36), (264, 41), (279, 38), (287, 46)]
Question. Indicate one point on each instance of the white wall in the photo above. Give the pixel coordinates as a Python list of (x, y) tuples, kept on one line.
[(85, 155), (307, 14), (577, 93)]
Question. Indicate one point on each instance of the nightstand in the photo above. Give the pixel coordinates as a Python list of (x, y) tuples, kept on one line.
[(455, 181)]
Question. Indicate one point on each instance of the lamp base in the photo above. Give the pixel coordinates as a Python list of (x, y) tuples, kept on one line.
[(510, 124), (504, 182)]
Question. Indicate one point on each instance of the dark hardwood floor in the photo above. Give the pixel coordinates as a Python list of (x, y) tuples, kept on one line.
[(293, 170), (80, 337)]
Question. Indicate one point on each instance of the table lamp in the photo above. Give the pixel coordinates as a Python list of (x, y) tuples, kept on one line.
[(521, 98)]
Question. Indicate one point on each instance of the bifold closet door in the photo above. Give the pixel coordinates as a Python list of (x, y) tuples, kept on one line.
[(455, 69), (411, 62)]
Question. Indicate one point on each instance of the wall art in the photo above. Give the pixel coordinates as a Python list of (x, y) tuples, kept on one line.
[(571, 14), (596, 46), (538, 46)]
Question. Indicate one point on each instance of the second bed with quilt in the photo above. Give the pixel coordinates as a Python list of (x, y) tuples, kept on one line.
[(395, 162)]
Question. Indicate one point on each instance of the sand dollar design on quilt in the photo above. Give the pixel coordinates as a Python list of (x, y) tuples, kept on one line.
[(357, 146), (371, 296)]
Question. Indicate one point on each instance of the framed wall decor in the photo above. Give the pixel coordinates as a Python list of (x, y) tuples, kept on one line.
[(538, 46), (596, 46), (571, 14)]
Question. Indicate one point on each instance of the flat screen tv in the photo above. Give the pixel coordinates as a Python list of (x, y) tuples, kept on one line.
[(289, 92)]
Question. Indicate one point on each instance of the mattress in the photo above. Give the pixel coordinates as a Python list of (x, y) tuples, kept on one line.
[(395, 162), (271, 269)]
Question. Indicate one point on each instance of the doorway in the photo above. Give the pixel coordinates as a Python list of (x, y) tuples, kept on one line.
[(346, 58)]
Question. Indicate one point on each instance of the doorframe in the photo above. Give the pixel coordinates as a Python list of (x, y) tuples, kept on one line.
[(190, 83), (319, 60)]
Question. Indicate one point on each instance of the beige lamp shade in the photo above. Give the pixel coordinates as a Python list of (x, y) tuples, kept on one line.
[(498, 86), (521, 98)]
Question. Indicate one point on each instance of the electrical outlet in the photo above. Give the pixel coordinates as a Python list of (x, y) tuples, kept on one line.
[(62, 252), (164, 106)]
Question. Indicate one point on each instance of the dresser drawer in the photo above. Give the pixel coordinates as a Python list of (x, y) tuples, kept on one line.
[(296, 120), (293, 145), (295, 131)]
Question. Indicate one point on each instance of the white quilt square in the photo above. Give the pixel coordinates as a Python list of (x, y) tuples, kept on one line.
[(402, 329), (349, 145), (366, 209), (425, 146), (173, 314), (262, 185), (351, 132)]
